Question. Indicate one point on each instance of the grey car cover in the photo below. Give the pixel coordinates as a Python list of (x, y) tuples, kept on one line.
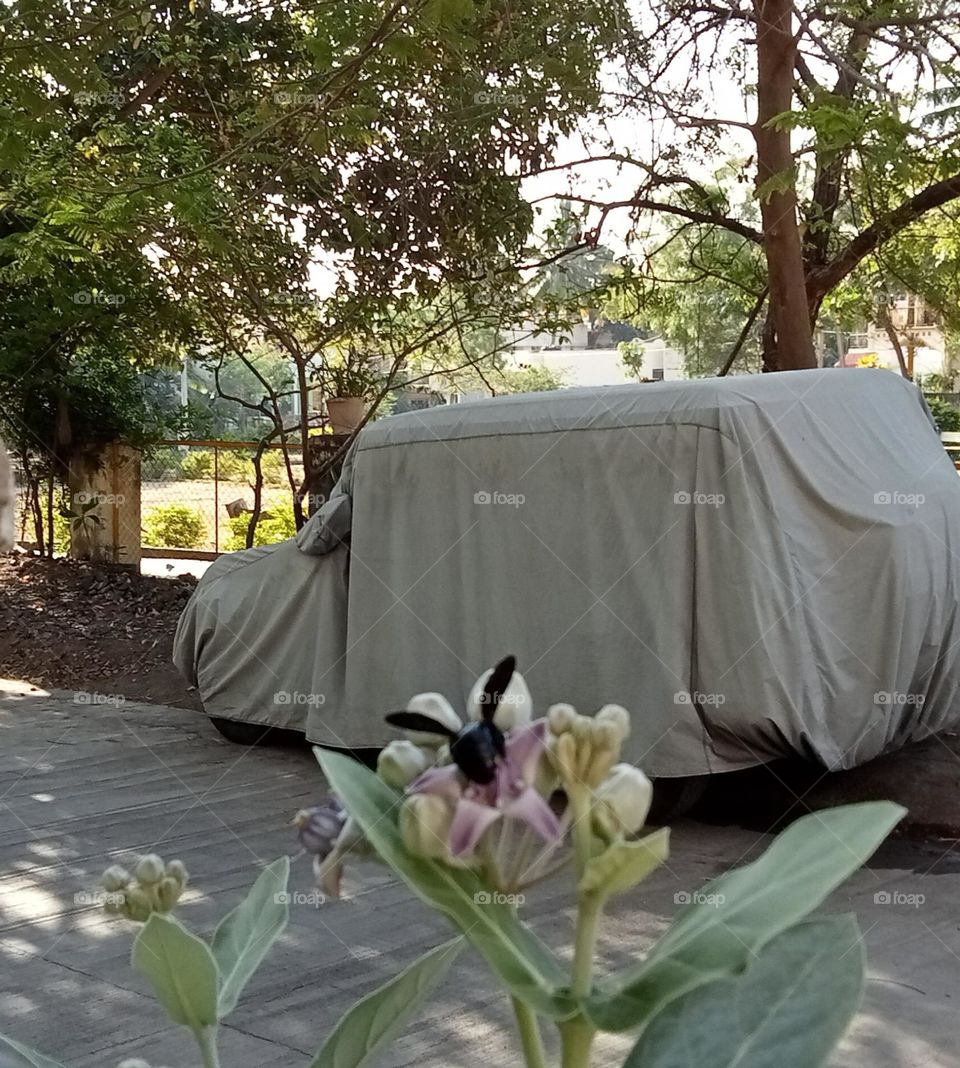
[(755, 567)]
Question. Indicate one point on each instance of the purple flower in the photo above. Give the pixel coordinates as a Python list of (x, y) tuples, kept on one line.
[(319, 826), (506, 826)]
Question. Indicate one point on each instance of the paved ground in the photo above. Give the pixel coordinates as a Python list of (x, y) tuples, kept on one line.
[(82, 785)]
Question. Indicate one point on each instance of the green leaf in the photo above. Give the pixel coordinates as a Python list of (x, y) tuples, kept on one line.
[(13, 1055), (181, 970), (624, 864), (244, 936), (739, 912), (378, 1018), (790, 1007), (526, 966)]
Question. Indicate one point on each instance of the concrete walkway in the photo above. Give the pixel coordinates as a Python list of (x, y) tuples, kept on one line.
[(86, 784)]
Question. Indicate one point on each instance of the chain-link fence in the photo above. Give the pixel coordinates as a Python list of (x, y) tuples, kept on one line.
[(197, 497)]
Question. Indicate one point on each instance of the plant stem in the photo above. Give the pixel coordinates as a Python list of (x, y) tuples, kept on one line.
[(207, 1041), (577, 1033), (588, 922), (530, 1038)]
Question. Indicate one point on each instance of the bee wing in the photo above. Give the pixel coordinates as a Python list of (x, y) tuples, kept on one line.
[(417, 721), (495, 687)]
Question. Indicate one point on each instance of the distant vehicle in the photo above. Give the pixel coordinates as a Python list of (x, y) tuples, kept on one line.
[(756, 567)]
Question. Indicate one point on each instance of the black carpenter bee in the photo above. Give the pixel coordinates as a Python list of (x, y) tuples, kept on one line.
[(477, 747)]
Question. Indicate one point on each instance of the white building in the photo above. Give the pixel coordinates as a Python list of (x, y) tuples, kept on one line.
[(586, 355)]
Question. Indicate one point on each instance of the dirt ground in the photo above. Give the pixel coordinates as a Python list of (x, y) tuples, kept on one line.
[(73, 626)]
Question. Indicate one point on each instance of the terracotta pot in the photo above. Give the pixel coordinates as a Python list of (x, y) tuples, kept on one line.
[(346, 413)]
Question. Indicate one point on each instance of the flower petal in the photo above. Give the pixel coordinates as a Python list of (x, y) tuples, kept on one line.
[(530, 808), (470, 821), (447, 781), (525, 746)]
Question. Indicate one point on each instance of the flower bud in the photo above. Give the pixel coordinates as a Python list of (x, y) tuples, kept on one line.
[(115, 878), (168, 892), (149, 870), (425, 825), (515, 708), (319, 826), (137, 905), (437, 707), (618, 716), (561, 718), (133, 1062), (621, 802), (400, 763), (176, 869)]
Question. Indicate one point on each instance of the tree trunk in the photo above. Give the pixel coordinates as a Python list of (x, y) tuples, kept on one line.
[(776, 183)]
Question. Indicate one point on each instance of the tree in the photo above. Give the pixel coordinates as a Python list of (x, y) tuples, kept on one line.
[(871, 90), (221, 159)]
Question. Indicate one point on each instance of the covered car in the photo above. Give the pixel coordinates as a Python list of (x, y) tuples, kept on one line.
[(755, 567)]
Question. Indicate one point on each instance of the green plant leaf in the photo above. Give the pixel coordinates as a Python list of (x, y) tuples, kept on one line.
[(790, 1007), (527, 967), (14, 1055), (181, 970), (624, 864), (739, 912), (244, 936), (378, 1018)]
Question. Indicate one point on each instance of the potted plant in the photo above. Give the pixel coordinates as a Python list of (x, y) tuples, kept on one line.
[(347, 379)]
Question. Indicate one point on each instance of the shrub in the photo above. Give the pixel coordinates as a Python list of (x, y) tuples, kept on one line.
[(234, 466), (273, 526), (273, 468), (174, 526), (944, 414), (197, 464)]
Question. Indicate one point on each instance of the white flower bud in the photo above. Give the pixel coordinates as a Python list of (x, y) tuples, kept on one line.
[(400, 763), (437, 707), (561, 718), (168, 892), (425, 825), (516, 705), (622, 801), (618, 716), (115, 878), (149, 870), (137, 905), (133, 1062), (176, 869)]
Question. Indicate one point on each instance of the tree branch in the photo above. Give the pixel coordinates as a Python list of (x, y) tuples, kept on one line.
[(821, 281)]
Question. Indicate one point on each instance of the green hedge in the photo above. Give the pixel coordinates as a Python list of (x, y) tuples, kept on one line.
[(174, 526)]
